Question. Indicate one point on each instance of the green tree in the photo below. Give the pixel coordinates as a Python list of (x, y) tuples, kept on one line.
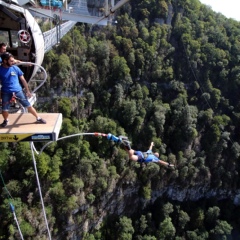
[(128, 113), (4, 157), (212, 216), (183, 219), (124, 229), (222, 230), (166, 229), (64, 106), (121, 71)]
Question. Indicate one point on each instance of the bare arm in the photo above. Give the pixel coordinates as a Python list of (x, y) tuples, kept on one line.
[(17, 61), (151, 146), (24, 82)]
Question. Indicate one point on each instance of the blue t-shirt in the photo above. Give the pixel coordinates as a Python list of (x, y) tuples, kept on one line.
[(151, 157), (146, 157), (9, 78)]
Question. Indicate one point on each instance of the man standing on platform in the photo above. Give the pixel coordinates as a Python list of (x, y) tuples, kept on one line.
[(9, 77)]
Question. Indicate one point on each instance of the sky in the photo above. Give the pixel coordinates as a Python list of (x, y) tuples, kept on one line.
[(229, 8)]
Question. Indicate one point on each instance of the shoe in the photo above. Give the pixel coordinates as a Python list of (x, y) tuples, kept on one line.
[(172, 166), (123, 137), (126, 144), (5, 123), (113, 138), (40, 120)]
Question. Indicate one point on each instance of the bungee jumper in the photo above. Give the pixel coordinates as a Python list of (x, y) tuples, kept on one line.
[(139, 156)]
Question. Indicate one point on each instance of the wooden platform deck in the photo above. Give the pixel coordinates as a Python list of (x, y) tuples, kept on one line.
[(23, 127)]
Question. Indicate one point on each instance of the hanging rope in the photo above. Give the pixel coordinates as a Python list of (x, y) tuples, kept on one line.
[(40, 191), (12, 208), (194, 75), (15, 218), (201, 87)]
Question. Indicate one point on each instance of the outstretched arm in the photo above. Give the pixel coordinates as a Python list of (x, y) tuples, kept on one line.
[(151, 145), (17, 61)]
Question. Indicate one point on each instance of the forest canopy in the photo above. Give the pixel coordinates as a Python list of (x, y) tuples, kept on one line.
[(167, 72)]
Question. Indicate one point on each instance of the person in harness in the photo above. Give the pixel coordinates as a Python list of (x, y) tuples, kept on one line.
[(11, 87), (139, 156)]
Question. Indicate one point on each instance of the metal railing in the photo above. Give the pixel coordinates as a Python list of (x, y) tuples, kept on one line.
[(51, 37)]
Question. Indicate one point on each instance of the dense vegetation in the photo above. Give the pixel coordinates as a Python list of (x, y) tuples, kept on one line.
[(167, 72)]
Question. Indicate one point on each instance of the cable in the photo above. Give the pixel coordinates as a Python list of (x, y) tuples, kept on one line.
[(40, 191), (77, 89), (209, 104), (35, 149), (5, 186), (12, 208), (196, 76), (15, 218), (74, 135)]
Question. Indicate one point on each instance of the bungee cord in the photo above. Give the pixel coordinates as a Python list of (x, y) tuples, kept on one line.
[(74, 135)]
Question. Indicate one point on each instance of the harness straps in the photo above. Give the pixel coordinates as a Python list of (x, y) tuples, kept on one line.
[(14, 97), (144, 157)]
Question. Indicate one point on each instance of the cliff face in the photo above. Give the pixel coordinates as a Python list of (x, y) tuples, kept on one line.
[(125, 200), (196, 193)]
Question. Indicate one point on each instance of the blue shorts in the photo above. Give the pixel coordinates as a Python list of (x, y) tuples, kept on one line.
[(140, 156), (20, 96), (149, 158)]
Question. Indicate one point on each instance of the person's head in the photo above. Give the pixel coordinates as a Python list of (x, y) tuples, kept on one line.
[(156, 154), (3, 47), (7, 59)]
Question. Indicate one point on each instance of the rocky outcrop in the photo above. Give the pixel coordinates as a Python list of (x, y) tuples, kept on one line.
[(195, 193), (126, 200)]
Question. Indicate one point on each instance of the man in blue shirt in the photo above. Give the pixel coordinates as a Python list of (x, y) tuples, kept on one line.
[(11, 87), (139, 156), (146, 157)]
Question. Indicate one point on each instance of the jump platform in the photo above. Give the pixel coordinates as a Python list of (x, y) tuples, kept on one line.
[(23, 127)]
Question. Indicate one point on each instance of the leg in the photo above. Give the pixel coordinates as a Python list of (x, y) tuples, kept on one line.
[(123, 137), (33, 111), (5, 115), (119, 139), (6, 97), (131, 155), (25, 103), (126, 144), (113, 138), (166, 164)]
